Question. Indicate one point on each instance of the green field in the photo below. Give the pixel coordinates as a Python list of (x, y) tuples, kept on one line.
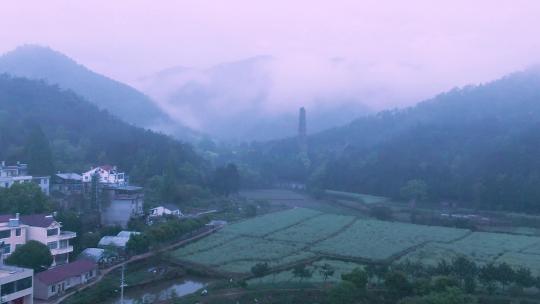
[(484, 247), (302, 235)]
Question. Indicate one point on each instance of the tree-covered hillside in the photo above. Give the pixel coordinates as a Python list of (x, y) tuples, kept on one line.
[(41, 123), (125, 102), (479, 145)]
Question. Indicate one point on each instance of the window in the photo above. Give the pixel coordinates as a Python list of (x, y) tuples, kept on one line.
[(52, 245), (4, 234), (53, 288), (53, 231), (18, 232), (6, 249), (8, 288), (64, 243), (16, 286)]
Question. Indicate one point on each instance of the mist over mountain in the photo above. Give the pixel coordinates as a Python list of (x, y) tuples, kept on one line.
[(257, 98), (37, 62), (478, 145)]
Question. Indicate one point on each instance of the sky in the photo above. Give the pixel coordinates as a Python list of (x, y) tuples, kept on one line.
[(400, 51)]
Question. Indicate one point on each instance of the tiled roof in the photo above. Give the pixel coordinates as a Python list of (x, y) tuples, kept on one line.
[(37, 220), (62, 272), (73, 176)]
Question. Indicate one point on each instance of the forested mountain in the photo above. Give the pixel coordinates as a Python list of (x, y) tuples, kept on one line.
[(55, 129), (125, 102), (479, 145)]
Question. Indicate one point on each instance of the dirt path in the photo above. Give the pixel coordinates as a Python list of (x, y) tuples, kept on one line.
[(132, 259)]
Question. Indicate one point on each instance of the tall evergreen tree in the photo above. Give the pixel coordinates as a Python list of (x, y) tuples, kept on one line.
[(38, 152)]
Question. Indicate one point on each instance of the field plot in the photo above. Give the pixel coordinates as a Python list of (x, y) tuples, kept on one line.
[(483, 247), (242, 248), (305, 236), (314, 229), (271, 222), (377, 240)]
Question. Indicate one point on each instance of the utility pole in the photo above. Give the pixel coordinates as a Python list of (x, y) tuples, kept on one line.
[(122, 284)]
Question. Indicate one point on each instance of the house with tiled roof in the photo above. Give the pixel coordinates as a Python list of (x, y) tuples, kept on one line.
[(58, 280), (16, 230)]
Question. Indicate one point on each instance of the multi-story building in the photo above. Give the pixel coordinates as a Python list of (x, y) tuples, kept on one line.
[(16, 285), (18, 174), (17, 230)]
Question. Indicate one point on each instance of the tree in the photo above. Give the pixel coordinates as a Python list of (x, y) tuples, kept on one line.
[(488, 276), (450, 296), (358, 277), (327, 271), (26, 198), (463, 269), (344, 293), (38, 152), (415, 189), (33, 255), (260, 269), (137, 243), (505, 274), (524, 277), (226, 180), (398, 285), (302, 272)]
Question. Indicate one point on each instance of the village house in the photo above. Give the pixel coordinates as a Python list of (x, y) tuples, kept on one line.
[(16, 230), (106, 175), (16, 285), (126, 201), (58, 280), (67, 183), (166, 209), (18, 174)]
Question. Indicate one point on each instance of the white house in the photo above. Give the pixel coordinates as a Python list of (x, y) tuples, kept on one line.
[(17, 285), (106, 175), (165, 210), (18, 174), (16, 230)]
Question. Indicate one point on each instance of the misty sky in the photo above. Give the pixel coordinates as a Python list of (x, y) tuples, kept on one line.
[(411, 48)]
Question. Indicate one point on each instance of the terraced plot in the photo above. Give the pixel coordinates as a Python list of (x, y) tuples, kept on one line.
[(314, 229), (271, 222), (377, 240)]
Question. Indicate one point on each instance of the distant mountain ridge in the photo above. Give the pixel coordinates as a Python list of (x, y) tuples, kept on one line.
[(132, 106), (479, 145)]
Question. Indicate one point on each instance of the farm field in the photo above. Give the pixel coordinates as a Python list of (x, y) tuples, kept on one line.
[(301, 235), (484, 247)]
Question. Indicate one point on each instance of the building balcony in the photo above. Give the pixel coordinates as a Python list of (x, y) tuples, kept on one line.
[(59, 250), (64, 235)]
